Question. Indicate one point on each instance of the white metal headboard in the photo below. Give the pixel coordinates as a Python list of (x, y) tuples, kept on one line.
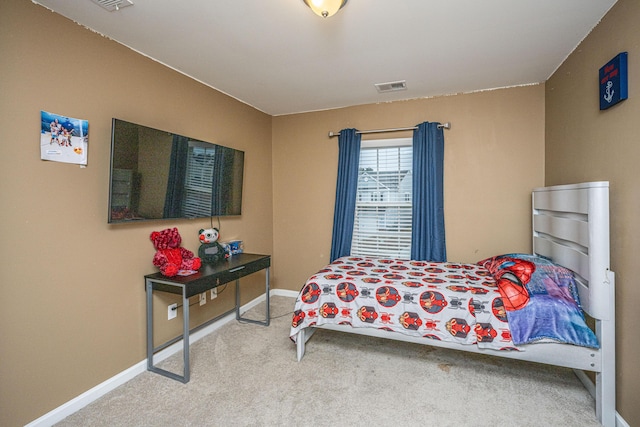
[(571, 226)]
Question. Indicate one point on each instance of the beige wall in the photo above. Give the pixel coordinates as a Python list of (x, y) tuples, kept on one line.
[(586, 144), (494, 156), (74, 283), (72, 286)]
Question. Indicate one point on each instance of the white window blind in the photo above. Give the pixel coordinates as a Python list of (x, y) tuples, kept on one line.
[(382, 224), (197, 196)]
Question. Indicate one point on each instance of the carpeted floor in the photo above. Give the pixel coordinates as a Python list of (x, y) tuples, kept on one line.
[(247, 375)]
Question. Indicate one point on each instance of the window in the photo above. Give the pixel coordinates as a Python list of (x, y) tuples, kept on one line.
[(382, 225), (197, 195)]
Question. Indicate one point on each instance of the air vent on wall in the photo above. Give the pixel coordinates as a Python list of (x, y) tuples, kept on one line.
[(113, 5), (391, 86)]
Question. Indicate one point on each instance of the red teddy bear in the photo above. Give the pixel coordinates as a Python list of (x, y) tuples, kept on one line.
[(170, 257)]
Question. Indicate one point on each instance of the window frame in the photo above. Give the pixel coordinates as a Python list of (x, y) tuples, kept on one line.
[(398, 242), (200, 165)]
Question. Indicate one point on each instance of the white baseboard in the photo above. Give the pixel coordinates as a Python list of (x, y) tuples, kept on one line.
[(284, 293), (112, 383), (620, 422), (591, 388), (74, 405)]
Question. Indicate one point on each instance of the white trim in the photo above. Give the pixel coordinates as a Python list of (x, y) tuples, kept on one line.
[(383, 143), (91, 395), (620, 422), (74, 405), (591, 388), (285, 293)]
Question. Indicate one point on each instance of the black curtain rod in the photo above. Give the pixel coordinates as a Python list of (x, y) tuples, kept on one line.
[(440, 126)]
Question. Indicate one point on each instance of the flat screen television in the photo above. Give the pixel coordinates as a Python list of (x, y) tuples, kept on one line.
[(157, 174)]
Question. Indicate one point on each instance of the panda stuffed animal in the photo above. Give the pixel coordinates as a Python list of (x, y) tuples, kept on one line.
[(210, 250)]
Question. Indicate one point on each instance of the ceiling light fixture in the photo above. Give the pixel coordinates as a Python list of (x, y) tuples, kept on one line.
[(325, 8)]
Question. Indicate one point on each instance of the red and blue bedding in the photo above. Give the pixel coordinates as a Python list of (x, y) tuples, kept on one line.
[(550, 309), (470, 304)]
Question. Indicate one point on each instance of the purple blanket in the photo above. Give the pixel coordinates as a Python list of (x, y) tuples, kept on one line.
[(541, 300)]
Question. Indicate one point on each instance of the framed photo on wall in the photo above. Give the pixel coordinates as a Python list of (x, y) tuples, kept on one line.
[(63, 139)]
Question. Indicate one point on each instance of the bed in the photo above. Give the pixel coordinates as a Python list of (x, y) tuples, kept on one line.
[(486, 307)]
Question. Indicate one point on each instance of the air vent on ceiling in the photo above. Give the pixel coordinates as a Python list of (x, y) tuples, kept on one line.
[(113, 5), (391, 86)]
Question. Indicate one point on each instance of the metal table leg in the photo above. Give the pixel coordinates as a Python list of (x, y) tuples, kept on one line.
[(149, 289), (185, 338), (268, 315)]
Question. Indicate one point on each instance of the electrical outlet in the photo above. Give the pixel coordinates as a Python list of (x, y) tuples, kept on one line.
[(214, 293), (203, 298), (172, 311)]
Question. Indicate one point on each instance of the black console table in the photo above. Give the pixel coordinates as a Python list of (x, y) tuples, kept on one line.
[(209, 276)]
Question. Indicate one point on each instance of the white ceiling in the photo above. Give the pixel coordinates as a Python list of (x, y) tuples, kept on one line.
[(280, 58)]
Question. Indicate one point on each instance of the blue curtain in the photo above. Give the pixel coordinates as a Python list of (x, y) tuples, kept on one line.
[(427, 230), (177, 177), (346, 189), (218, 183), (225, 199)]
